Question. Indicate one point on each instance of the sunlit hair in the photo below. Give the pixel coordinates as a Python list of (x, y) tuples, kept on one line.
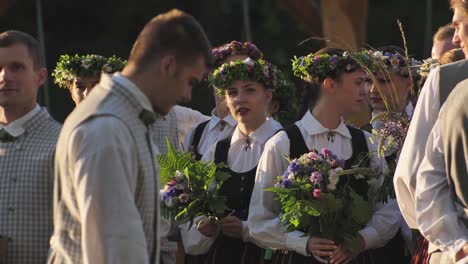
[(444, 32), (463, 4), (174, 32)]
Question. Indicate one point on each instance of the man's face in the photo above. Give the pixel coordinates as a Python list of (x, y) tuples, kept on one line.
[(460, 22), (441, 46), (81, 87), (179, 84), (19, 80)]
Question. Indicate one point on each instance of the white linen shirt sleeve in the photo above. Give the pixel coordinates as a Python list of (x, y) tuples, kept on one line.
[(265, 225), (438, 215), (104, 177), (386, 218), (412, 153)]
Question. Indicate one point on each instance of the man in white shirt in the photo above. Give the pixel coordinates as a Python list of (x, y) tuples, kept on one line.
[(28, 136), (442, 192), (438, 86), (106, 198)]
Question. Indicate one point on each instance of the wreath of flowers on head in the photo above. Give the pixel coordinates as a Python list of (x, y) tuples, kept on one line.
[(395, 63), (236, 48), (89, 65), (315, 67), (254, 70), (426, 66)]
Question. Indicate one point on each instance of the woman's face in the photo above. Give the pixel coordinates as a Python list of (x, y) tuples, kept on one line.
[(389, 91), (248, 101), (81, 87), (350, 91)]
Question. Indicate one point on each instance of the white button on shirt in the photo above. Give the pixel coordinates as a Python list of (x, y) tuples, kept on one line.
[(265, 225)]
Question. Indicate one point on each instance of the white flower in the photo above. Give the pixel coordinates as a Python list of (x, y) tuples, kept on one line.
[(331, 187), (171, 202), (249, 62), (266, 73), (359, 176), (291, 176)]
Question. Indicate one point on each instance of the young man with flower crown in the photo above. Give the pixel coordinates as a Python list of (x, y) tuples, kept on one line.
[(248, 87), (340, 82), (440, 82), (80, 73)]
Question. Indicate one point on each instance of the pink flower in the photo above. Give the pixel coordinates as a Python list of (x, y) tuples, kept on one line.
[(313, 156), (316, 193)]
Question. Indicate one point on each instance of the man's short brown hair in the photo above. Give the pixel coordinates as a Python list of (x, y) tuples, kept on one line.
[(444, 32), (174, 32), (12, 37)]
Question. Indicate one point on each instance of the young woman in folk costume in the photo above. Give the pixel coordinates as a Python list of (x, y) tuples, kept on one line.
[(390, 94), (80, 73), (248, 88), (340, 84), (221, 124)]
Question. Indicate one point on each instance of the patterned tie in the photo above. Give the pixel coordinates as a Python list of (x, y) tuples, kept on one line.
[(147, 117), (6, 137)]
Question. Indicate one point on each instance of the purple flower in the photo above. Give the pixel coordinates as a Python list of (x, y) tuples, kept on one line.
[(334, 59), (294, 167), (326, 152), (316, 177), (165, 196), (184, 198), (302, 61), (286, 183)]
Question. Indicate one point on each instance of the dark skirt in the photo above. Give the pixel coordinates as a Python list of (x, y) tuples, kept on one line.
[(227, 250), (393, 252)]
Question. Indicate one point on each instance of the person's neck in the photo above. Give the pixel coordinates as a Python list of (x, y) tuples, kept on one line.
[(220, 112), (249, 128), (326, 114), (10, 114)]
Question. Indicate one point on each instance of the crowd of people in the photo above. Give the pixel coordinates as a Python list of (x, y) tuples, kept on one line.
[(88, 191)]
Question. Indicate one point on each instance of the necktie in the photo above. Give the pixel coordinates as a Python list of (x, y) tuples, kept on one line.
[(147, 117), (5, 136)]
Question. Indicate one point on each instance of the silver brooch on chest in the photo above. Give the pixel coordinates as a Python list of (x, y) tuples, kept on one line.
[(331, 136), (248, 142)]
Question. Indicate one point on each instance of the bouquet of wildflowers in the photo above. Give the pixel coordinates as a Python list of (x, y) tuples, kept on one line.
[(390, 140), (191, 186), (316, 198)]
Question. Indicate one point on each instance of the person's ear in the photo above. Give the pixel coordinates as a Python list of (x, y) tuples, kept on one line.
[(168, 65), (329, 85), (41, 75)]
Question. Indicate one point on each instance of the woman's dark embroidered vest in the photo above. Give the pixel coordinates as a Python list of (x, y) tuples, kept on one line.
[(196, 139), (360, 149), (238, 189)]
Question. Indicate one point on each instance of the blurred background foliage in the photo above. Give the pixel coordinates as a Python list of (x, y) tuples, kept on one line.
[(109, 27)]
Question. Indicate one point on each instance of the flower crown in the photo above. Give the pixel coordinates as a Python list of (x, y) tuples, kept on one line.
[(90, 65), (248, 69), (320, 66), (236, 48), (427, 65), (395, 63)]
